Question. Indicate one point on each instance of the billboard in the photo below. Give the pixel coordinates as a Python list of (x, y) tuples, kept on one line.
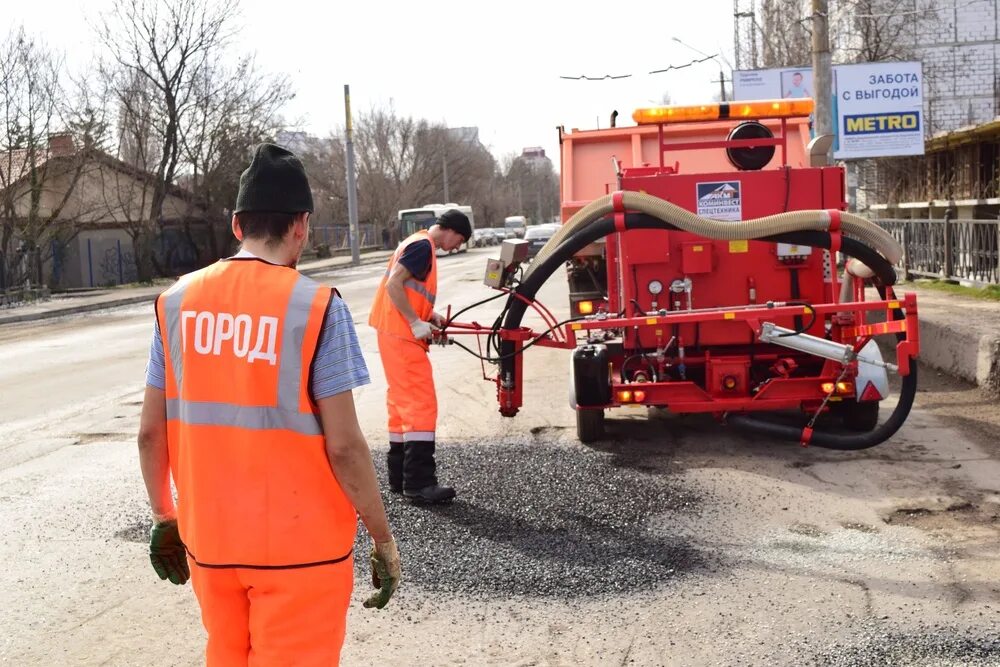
[(769, 84), (877, 107)]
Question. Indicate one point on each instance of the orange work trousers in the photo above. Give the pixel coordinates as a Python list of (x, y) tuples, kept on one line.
[(270, 618), (410, 396)]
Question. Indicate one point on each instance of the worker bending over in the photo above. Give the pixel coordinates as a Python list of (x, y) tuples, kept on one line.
[(403, 315)]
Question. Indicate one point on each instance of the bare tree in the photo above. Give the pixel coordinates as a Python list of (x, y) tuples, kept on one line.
[(46, 143), (158, 49), (402, 163), (785, 39), (536, 187), (860, 30), (324, 160), (879, 30), (232, 109), (388, 162)]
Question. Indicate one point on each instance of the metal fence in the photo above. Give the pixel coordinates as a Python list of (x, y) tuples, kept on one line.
[(108, 261), (951, 249), (18, 296), (339, 238)]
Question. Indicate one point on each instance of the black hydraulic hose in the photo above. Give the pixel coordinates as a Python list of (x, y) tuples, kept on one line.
[(455, 315), (883, 270), (846, 442)]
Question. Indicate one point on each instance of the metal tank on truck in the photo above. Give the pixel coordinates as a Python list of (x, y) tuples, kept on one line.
[(712, 268)]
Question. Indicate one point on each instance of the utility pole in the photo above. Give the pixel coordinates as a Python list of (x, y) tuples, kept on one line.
[(352, 186), (538, 201), (444, 169), (822, 74), (722, 85)]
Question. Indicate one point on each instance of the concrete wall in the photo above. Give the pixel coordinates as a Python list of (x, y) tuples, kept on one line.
[(99, 258)]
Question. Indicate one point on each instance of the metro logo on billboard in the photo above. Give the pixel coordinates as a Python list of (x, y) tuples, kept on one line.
[(908, 121)]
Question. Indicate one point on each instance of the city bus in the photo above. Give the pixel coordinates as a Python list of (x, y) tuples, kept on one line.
[(414, 219)]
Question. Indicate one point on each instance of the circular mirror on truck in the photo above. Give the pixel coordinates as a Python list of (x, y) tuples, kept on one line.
[(750, 158)]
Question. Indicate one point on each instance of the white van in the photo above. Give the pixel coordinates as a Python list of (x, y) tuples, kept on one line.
[(517, 223)]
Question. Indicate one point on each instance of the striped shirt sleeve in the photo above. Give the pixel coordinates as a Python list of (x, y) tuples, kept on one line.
[(155, 374), (338, 365)]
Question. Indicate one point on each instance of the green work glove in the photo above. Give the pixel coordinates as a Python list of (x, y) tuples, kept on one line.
[(167, 553), (386, 573)]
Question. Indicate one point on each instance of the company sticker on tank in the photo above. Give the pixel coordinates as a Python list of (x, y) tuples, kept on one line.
[(720, 200)]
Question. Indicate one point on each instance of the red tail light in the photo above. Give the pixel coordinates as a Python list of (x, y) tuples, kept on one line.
[(870, 393)]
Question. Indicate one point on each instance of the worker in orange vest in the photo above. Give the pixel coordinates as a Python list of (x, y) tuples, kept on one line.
[(403, 315), (249, 408)]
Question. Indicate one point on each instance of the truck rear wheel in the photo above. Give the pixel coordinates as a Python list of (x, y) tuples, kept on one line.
[(861, 417), (589, 424)]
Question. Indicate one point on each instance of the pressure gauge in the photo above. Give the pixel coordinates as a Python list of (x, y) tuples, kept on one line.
[(655, 287)]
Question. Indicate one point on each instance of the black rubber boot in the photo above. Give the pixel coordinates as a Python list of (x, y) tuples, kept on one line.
[(394, 464), (419, 475)]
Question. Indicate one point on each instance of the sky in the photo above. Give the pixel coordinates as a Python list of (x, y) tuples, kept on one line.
[(496, 66)]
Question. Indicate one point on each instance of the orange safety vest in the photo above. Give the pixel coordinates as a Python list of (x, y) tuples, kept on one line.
[(384, 316), (247, 452)]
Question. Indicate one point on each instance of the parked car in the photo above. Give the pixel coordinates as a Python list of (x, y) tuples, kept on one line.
[(537, 236), (481, 238)]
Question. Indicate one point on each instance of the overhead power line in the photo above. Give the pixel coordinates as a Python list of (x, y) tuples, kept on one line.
[(584, 77), (595, 78), (693, 62)]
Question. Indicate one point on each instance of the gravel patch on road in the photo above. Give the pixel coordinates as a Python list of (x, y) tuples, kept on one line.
[(839, 548), (543, 520), (936, 646)]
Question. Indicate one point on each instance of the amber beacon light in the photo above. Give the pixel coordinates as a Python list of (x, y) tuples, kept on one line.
[(738, 110)]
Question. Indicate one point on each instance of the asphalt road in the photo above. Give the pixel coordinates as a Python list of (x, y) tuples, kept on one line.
[(675, 542)]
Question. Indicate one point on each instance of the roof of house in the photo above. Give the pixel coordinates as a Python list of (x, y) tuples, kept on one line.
[(15, 166)]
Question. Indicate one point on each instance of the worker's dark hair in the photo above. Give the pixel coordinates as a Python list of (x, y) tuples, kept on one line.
[(268, 226)]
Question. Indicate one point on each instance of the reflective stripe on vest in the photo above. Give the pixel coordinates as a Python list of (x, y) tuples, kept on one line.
[(421, 294), (286, 415), (416, 286), (421, 290), (205, 413)]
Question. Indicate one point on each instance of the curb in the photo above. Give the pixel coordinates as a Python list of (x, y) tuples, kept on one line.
[(968, 355), (971, 357), (83, 308), (130, 300)]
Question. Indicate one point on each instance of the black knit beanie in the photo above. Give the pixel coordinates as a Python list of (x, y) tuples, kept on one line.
[(275, 182), (456, 221)]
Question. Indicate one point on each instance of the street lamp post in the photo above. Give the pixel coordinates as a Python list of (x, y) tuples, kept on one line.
[(722, 75)]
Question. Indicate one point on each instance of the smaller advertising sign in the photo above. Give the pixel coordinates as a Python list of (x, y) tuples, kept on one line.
[(720, 200)]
